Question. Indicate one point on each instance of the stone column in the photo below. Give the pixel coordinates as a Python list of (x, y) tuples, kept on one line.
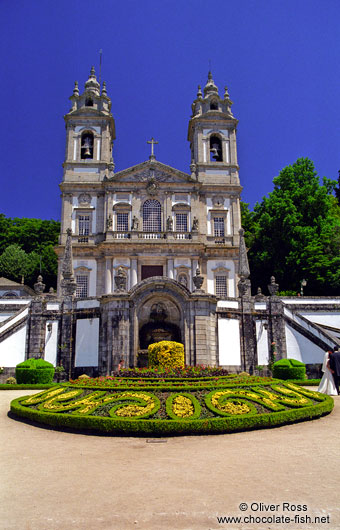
[(171, 268), (134, 276), (108, 276)]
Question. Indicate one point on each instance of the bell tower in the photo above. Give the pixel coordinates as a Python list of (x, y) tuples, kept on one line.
[(90, 131), (212, 136)]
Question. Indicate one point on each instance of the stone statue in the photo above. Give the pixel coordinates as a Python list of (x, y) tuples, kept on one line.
[(109, 222), (169, 224), (194, 225), (120, 280), (198, 280), (135, 223)]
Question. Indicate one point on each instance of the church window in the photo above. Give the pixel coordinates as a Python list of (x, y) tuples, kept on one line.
[(82, 285), (122, 222), (213, 105), (215, 149), (151, 216), (87, 145), (181, 222), (219, 226), (84, 225), (221, 286), (89, 102)]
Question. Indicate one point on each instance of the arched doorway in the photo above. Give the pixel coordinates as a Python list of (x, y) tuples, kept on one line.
[(159, 318)]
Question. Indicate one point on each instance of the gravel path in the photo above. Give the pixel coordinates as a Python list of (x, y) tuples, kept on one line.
[(58, 480)]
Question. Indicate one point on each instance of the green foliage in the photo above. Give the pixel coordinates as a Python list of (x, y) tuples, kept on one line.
[(11, 381), (24, 243), (34, 371), (141, 412), (15, 386), (289, 369), (168, 354), (296, 233)]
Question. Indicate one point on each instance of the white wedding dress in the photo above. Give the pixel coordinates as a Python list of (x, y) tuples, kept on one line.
[(327, 385)]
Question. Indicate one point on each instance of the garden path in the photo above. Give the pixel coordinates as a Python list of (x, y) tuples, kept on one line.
[(55, 480)]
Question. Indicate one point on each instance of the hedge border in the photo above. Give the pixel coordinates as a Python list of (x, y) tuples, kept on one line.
[(173, 427), (22, 386), (159, 427)]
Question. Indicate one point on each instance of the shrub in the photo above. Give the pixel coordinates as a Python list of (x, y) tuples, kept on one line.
[(34, 371), (167, 354), (11, 381), (141, 412), (289, 369), (84, 376)]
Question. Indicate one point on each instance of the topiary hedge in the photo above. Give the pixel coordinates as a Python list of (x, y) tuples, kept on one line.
[(166, 354), (289, 369), (34, 371), (169, 410)]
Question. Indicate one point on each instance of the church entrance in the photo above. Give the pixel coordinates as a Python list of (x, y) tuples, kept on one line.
[(151, 270), (159, 319)]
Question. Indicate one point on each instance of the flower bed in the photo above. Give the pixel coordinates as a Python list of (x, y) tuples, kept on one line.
[(162, 407)]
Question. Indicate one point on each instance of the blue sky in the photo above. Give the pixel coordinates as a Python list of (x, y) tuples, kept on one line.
[(279, 59)]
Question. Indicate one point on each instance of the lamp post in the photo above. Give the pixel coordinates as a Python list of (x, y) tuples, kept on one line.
[(303, 284)]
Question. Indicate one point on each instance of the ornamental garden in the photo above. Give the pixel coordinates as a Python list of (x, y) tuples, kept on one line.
[(167, 398)]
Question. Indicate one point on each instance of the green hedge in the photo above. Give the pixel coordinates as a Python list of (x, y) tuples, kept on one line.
[(289, 369), (173, 427), (173, 411), (26, 387), (34, 371)]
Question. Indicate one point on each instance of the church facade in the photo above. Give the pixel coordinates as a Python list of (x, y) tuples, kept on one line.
[(151, 220), (152, 227), (152, 253)]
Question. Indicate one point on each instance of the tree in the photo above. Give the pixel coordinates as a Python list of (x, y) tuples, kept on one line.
[(26, 245), (15, 263), (296, 233)]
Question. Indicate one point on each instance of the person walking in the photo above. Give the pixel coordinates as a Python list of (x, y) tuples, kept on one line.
[(327, 385), (334, 364)]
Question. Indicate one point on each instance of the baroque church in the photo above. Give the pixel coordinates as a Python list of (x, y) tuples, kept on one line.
[(153, 253), (151, 220)]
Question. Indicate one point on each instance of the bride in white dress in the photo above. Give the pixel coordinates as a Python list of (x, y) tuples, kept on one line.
[(327, 385)]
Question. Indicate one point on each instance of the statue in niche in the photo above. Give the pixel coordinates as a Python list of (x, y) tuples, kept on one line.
[(169, 224), (183, 280), (194, 225), (158, 311), (120, 280), (135, 223), (109, 222)]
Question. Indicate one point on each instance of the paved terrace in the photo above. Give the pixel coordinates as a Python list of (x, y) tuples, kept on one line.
[(56, 480)]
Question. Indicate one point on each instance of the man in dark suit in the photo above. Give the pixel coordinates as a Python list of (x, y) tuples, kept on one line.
[(334, 364)]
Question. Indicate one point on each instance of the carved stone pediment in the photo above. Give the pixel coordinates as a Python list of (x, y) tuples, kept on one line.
[(151, 171)]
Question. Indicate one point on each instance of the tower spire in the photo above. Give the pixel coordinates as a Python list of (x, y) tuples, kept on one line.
[(210, 87)]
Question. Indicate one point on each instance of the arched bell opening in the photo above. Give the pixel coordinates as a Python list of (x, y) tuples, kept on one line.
[(215, 149), (87, 141)]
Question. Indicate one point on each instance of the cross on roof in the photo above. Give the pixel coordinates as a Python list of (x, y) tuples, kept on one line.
[(152, 142)]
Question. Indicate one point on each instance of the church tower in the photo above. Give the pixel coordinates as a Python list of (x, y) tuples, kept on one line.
[(212, 137), (90, 131)]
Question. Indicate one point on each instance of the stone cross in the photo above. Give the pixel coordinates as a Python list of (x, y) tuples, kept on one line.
[(152, 142)]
